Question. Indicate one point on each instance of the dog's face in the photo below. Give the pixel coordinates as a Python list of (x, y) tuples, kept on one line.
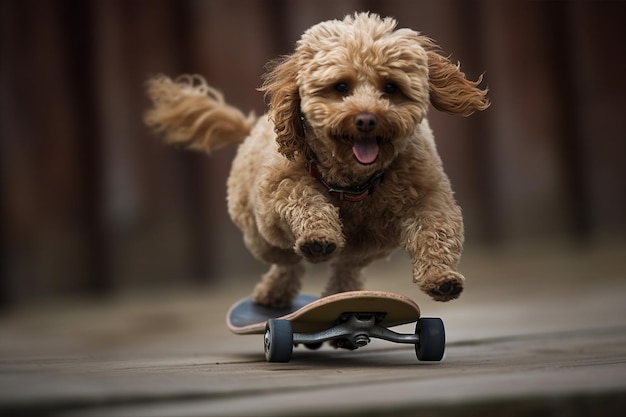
[(363, 90), (355, 91)]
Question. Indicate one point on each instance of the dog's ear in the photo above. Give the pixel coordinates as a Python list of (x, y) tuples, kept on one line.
[(450, 90), (282, 93)]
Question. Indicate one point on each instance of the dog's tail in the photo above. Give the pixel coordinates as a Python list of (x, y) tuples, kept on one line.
[(191, 113)]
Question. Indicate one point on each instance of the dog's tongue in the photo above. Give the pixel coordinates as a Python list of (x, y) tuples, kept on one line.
[(365, 150)]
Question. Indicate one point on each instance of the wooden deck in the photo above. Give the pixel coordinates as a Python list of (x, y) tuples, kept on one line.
[(538, 331)]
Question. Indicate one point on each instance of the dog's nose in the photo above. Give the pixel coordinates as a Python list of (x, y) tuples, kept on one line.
[(365, 122)]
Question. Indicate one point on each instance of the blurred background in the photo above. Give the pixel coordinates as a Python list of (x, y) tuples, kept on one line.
[(93, 203)]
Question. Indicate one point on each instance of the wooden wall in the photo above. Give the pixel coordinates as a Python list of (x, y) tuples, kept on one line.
[(92, 202)]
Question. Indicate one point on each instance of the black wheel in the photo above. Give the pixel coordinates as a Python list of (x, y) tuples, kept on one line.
[(432, 339), (278, 341)]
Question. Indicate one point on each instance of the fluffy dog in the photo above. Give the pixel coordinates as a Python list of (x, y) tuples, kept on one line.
[(344, 166)]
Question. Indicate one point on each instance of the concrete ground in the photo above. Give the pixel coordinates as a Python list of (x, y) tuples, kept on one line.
[(539, 330)]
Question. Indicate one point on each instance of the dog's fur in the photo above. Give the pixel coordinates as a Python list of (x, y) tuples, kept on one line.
[(342, 74)]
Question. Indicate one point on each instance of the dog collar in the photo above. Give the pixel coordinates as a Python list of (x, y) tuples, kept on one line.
[(355, 193)]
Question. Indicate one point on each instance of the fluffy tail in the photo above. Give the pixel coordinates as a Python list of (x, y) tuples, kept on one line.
[(191, 113)]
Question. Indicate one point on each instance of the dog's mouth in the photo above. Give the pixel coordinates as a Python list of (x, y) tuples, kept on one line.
[(365, 148)]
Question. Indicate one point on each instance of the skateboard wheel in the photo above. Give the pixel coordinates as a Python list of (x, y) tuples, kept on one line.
[(432, 339), (278, 340)]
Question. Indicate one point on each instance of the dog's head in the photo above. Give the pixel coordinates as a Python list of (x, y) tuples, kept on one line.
[(354, 90)]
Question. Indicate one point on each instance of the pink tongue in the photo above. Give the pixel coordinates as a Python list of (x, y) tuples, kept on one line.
[(365, 150)]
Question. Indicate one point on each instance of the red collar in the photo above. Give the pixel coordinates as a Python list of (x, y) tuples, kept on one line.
[(355, 193)]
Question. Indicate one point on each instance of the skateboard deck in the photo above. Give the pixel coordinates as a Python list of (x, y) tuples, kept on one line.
[(312, 314), (347, 319)]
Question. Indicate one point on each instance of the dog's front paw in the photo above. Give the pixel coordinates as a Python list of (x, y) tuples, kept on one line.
[(448, 290), (444, 287), (316, 250)]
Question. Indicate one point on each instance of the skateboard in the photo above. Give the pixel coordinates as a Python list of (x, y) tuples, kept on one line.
[(348, 319)]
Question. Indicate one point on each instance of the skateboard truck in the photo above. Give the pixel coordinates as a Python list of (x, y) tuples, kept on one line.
[(354, 330)]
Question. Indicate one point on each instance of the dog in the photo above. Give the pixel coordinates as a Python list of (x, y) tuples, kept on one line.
[(343, 167)]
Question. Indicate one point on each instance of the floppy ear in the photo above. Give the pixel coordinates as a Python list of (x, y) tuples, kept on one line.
[(450, 90), (281, 90)]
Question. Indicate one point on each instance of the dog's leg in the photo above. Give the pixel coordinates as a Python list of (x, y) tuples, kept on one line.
[(318, 233), (434, 241), (279, 286), (299, 218), (317, 229), (345, 276), (282, 282)]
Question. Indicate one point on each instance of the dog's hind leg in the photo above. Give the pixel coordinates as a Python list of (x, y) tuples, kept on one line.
[(345, 276), (280, 285)]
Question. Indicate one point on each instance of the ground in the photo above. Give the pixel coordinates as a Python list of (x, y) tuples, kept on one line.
[(540, 330)]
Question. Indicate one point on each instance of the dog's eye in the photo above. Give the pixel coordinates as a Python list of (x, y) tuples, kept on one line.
[(342, 88), (390, 88)]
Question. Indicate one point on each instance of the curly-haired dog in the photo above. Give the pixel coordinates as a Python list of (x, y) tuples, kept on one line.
[(344, 166)]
